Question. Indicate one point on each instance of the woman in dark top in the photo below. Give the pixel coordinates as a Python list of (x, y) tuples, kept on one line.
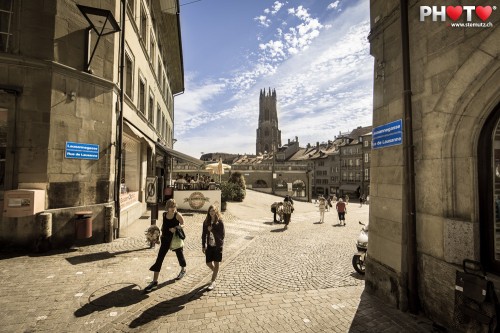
[(172, 220), (212, 241)]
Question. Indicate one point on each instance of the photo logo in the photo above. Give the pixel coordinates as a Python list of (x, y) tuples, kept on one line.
[(455, 12)]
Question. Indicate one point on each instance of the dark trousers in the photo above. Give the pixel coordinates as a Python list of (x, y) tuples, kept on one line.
[(164, 247), (287, 218)]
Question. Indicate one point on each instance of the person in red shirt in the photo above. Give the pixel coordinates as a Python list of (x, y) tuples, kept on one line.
[(341, 210)]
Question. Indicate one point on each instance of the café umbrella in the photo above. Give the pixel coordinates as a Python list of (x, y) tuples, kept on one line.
[(217, 168)]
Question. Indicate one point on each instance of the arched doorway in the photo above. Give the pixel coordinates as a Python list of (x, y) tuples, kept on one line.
[(260, 184), (299, 188), (488, 168)]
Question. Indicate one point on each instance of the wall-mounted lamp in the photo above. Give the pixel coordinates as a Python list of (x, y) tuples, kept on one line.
[(102, 22)]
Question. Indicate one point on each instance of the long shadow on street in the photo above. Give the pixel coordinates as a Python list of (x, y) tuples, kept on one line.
[(166, 308)]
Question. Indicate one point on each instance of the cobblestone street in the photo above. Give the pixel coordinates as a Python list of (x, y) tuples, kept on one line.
[(271, 280)]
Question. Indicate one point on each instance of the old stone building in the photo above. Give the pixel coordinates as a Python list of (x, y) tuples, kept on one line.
[(434, 167), (62, 92), (268, 133)]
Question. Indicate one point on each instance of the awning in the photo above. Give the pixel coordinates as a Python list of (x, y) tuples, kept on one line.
[(179, 155), (349, 187), (138, 133)]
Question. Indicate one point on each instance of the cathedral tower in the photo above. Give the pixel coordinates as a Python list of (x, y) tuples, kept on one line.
[(268, 134)]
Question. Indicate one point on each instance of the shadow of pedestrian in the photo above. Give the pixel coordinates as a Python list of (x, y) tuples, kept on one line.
[(279, 230), (126, 296), (167, 307)]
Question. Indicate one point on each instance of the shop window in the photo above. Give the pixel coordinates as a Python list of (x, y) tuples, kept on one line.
[(130, 171), (489, 192)]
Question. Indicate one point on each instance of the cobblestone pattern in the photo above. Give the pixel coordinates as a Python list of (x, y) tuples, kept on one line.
[(271, 280)]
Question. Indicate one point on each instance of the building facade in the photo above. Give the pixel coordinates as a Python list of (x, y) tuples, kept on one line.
[(268, 133), (434, 198), (60, 85)]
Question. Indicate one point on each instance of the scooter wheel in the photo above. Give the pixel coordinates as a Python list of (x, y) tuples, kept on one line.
[(358, 264)]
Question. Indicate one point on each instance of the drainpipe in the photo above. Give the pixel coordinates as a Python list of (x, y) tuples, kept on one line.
[(411, 232), (119, 143)]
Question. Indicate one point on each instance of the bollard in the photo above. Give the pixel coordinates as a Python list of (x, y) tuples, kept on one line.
[(44, 239), (45, 225), (108, 223)]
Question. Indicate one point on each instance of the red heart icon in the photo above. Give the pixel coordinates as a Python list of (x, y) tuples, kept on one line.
[(483, 12), (454, 12)]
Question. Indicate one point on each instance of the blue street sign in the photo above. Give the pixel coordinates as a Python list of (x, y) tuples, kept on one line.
[(82, 151), (387, 135)]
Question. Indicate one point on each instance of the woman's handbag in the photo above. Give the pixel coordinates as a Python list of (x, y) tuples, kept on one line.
[(180, 232), (176, 242)]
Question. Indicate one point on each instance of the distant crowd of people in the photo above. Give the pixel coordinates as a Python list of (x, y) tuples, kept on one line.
[(283, 210), (198, 182)]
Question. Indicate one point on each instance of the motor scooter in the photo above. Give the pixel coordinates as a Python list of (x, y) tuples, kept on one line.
[(358, 260)]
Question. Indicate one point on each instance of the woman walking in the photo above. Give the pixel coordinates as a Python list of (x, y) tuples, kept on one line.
[(172, 220), (287, 210), (322, 207), (212, 241)]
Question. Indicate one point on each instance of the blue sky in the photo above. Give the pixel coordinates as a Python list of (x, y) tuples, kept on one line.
[(314, 53)]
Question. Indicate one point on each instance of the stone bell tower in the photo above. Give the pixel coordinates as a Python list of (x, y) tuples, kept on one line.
[(268, 134)]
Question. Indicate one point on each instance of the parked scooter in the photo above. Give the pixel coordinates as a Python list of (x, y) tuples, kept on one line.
[(358, 260)]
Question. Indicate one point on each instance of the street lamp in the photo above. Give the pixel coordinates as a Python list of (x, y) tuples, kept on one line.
[(102, 22)]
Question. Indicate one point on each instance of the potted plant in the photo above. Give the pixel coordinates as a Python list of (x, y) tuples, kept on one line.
[(225, 194)]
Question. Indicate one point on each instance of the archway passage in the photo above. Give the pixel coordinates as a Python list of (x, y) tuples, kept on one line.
[(260, 184), (299, 188), (488, 168)]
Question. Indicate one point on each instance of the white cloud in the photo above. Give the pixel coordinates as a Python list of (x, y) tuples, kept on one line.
[(323, 78), (263, 21), (334, 5)]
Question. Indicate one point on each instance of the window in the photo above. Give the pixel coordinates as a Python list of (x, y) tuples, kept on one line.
[(128, 75), (158, 118), (358, 162), (367, 174), (344, 176), (351, 177), (151, 109), (6, 13), (367, 157), (152, 48), (144, 24), (158, 73), (321, 163), (350, 162), (142, 96), (164, 126), (366, 143), (358, 176)]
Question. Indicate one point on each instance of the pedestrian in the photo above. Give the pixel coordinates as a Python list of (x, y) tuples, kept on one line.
[(360, 201), (287, 210), (329, 203), (277, 209), (341, 210), (335, 198), (212, 241), (172, 220), (322, 207), (346, 199)]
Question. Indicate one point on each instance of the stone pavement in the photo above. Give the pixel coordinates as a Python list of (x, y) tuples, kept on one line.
[(271, 280)]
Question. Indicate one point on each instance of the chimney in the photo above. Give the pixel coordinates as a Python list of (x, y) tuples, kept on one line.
[(289, 142)]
